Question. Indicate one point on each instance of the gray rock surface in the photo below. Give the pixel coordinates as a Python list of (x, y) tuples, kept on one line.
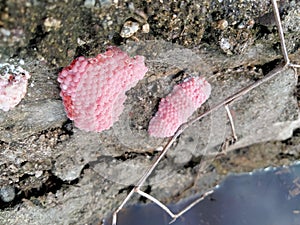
[(65, 176), (24, 121), (258, 115)]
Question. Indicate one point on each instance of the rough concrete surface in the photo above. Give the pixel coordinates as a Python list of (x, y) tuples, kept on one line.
[(53, 173)]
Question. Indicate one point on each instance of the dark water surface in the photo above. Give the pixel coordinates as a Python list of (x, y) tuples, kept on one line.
[(264, 197)]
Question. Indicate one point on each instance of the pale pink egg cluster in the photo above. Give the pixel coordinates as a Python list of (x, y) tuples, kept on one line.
[(93, 90), (13, 85), (178, 106)]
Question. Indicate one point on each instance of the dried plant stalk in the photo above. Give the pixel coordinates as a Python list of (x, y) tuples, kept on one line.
[(225, 103)]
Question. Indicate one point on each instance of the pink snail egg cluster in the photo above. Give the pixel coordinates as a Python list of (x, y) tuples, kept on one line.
[(93, 90), (178, 106), (13, 85)]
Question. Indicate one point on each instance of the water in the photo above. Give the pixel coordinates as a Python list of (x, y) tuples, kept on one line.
[(264, 197)]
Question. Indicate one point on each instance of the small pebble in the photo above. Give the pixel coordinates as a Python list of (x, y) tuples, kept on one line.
[(51, 23), (7, 193), (129, 28), (225, 44), (146, 28), (89, 3), (222, 24), (107, 3)]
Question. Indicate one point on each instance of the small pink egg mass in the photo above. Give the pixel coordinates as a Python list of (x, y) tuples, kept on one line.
[(93, 89), (178, 106)]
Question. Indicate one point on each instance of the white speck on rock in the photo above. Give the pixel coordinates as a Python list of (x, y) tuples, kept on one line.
[(224, 44)]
